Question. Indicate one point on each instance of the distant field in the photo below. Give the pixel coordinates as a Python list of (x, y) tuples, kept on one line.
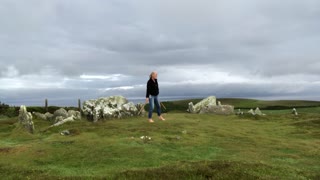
[(182, 106), (186, 146)]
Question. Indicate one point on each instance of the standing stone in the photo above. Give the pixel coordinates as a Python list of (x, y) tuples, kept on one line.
[(294, 112), (209, 105), (191, 107), (251, 111), (209, 101), (79, 105), (258, 112), (25, 119)]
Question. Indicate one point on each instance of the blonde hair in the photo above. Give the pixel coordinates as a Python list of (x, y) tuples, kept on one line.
[(152, 73)]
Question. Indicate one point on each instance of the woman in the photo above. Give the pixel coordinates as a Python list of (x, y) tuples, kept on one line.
[(152, 96)]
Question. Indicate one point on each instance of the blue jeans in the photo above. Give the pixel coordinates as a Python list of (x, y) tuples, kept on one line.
[(153, 100)]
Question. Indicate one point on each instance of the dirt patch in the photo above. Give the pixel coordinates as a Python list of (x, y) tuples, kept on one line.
[(5, 150), (16, 149), (74, 132)]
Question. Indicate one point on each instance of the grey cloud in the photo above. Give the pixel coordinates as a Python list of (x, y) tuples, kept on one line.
[(258, 40)]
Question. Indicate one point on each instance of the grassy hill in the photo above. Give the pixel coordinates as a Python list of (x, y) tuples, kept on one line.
[(186, 146)]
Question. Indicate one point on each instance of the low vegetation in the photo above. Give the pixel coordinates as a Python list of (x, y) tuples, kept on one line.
[(186, 146)]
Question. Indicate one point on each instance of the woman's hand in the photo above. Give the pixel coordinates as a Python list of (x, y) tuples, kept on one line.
[(147, 100)]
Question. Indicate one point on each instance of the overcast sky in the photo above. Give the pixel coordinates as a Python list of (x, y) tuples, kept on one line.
[(65, 50)]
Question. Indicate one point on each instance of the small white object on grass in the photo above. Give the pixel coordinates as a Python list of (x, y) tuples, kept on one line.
[(145, 138)]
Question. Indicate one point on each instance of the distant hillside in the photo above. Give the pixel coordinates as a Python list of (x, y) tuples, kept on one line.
[(182, 105)]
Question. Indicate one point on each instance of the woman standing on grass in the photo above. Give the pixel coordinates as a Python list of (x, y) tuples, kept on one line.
[(152, 96)]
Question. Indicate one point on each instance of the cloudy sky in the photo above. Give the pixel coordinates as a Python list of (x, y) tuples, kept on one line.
[(65, 50)]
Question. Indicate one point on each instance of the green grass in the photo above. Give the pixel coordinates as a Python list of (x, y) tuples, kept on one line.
[(182, 105), (186, 146)]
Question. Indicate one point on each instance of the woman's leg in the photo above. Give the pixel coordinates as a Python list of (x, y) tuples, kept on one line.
[(156, 102), (151, 104)]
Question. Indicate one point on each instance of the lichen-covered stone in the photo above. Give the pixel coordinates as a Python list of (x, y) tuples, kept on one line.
[(60, 112), (25, 119), (69, 119), (76, 114), (109, 107), (209, 105)]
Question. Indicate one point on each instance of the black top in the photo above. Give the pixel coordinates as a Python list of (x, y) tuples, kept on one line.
[(152, 88)]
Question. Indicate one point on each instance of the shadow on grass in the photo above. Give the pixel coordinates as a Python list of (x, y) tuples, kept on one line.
[(213, 170)]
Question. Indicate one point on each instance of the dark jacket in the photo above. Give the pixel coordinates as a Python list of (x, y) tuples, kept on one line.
[(152, 88)]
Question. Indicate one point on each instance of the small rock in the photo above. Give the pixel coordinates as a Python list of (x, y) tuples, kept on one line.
[(65, 133), (145, 138), (239, 112)]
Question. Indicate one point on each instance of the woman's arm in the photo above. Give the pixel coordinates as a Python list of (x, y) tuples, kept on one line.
[(148, 92)]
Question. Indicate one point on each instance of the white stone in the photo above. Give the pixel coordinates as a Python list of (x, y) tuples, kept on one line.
[(251, 111), (209, 105), (69, 119), (109, 107), (258, 112), (74, 113), (295, 112)]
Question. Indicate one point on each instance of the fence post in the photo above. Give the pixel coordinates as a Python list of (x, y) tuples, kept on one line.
[(46, 105)]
